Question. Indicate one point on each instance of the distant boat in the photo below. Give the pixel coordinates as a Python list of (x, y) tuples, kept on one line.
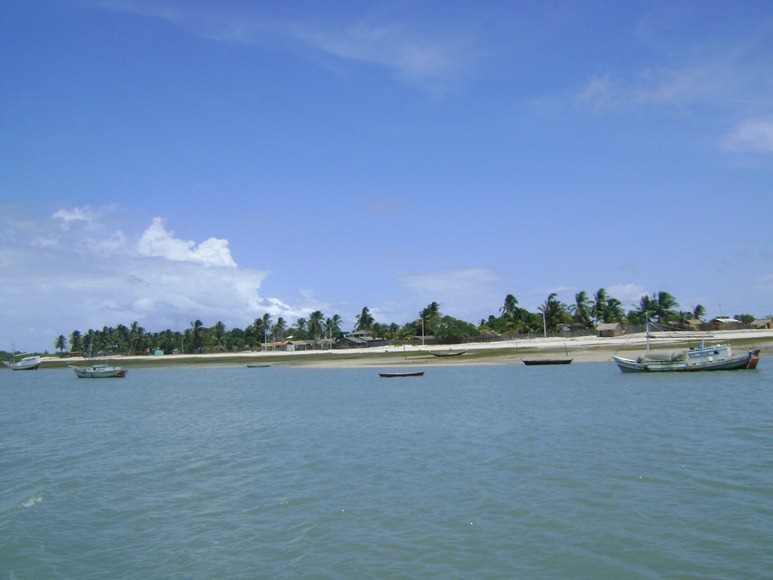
[(99, 371), (547, 361), (257, 366), (404, 374), (718, 357), (28, 363), (448, 352)]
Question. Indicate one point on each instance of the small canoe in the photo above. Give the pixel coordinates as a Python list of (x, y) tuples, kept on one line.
[(547, 361), (448, 352), (406, 374), (257, 366)]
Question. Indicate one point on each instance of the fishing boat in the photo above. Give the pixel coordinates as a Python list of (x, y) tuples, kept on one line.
[(104, 371), (253, 366), (448, 352), (28, 363), (718, 357), (402, 374), (547, 361)]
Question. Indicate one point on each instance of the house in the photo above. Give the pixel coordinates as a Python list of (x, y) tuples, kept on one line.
[(609, 329), (763, 323), (725, 324), (359, 338)]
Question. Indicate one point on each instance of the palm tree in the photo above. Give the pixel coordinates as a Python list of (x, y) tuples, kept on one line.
[(364, 320), (553, 313), (430, 316), (509, 308), (583, 309), (278, 332), (315, 324), (60, 343), (75, 341), (196, 332), (699, 312), (599, 305), (332, 327)]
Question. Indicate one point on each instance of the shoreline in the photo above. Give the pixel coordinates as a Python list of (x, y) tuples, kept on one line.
[(579, 349)]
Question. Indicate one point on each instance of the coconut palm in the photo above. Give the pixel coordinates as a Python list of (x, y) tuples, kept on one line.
[(699, 312), (316, 320), (509, 308), (364, 320), (582, 311), (60, 343)]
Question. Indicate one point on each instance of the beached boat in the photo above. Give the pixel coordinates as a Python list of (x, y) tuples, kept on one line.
[(547, 361), (28, 363), (718, 357), (403, 374), (99, 371), (448, 352)]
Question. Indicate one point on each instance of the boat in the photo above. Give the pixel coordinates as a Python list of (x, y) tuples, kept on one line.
[(718, 357), (104, 371), (403, 374), (547, 361), (257, 366), (448, 352), (28, 363)]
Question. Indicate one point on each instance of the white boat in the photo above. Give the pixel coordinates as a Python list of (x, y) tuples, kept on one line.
[(718, 357), (28, 363), (99, 372)]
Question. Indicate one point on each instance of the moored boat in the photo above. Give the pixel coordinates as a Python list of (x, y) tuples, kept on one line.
[(718, 357), (28, 363), (99, 371), (448, 352), (402, 374), (547, 361)]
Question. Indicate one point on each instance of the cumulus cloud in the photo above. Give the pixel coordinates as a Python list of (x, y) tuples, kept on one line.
[(90, 277), (158, 242)]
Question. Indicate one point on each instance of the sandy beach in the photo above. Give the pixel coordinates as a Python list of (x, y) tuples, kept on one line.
[(579, 349)]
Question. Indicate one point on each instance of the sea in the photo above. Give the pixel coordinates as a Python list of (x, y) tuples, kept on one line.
[(502, 471)]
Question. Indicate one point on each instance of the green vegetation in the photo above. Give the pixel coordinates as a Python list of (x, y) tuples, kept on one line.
[(553, 316)]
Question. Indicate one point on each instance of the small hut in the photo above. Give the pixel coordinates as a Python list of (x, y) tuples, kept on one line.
[(610, 329)]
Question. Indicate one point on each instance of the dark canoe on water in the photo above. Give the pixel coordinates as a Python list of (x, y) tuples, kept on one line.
[(406, 374), (547, 361), (257, 366)]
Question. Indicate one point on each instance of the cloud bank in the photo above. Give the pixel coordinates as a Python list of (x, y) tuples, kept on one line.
[(73, 272)]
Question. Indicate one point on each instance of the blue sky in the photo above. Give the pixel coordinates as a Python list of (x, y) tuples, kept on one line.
[(162, 162)]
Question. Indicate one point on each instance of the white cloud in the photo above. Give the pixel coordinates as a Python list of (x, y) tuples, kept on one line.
[(752, 135), (158, 242), (94, 277)]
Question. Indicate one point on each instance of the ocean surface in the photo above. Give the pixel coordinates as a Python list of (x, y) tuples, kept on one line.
[(468, 472)]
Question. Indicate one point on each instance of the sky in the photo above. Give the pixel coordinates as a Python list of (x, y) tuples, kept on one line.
[(179, 160)]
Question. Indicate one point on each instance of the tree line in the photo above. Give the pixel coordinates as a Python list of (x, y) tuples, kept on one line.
[(586, 312)]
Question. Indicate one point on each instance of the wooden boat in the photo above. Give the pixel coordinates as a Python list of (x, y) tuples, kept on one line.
[(257, 366), (28, 363), (718, 357), (402, 374), (448, 352), (99, 372), (547, 361)]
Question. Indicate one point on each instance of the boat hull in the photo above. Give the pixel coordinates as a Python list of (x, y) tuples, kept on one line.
[(26, 364), (399, 375), (744, 361), (97, 372), (548, 361)]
